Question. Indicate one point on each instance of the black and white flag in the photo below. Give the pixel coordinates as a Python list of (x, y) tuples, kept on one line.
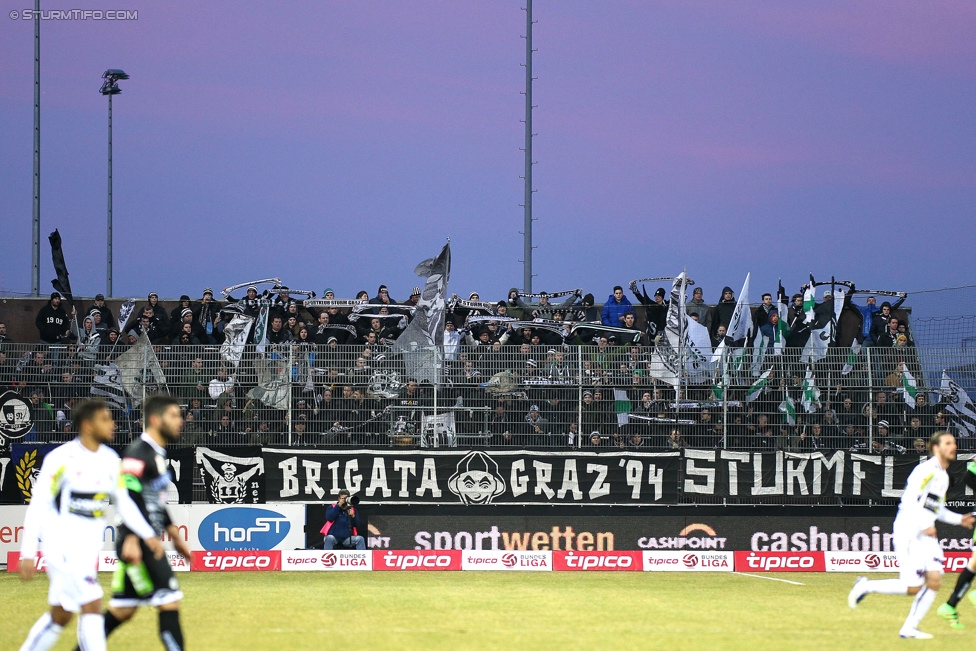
[(422, 341), (273, 387), (139, 370), (232, 475), (107, 384), (235, 338), (959, 405)]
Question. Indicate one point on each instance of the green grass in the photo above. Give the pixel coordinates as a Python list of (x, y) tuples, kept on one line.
[(509, 611)]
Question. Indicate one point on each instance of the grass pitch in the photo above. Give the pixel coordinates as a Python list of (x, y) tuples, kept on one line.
[(474, 610)]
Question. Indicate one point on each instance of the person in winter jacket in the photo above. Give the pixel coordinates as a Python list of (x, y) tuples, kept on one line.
[(867, 316), (879, 322), (342, 525), (89, 339), (159, 317), (656, 309), (761, 316), (207, 314), (108, 319), (587, 312), (796, 322), (615, 308), (722, 313), (52, 321), (514, 309), (697, 305)]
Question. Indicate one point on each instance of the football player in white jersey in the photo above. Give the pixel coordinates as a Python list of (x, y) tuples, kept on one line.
[(920, 556), (67, 516)]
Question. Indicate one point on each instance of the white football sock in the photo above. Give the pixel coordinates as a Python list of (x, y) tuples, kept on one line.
[(923, 601), (887, 586), (43, 635), (91, 632)]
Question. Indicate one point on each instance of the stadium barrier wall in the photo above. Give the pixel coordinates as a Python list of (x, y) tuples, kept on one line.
[(543, 561), (500, 477)]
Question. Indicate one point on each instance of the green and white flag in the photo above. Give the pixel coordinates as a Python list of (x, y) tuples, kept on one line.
[(852, 356), (622, 403), (788, 407), (909, 387), (757, 387), (811, 394), (721, 380)]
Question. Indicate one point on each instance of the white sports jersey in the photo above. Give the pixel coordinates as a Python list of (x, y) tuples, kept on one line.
[(923, 501), (68, 501)]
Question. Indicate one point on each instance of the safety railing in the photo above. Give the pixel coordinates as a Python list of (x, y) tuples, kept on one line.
[(601, 396)]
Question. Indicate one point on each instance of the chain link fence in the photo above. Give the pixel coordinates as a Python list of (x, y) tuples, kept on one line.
[(886, 400)]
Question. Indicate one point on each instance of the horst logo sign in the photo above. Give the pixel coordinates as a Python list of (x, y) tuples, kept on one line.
[(779, 562), (597, 561), (241, 528), (237, 561), (688, 561)]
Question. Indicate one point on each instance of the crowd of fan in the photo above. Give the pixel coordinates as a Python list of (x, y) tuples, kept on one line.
[(563, 393)]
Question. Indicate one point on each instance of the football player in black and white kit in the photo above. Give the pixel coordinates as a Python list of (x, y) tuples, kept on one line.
[(144, 576), (67, 516), (920, 555)]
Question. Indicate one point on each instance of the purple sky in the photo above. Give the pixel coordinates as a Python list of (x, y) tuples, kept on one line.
[(338, 144)]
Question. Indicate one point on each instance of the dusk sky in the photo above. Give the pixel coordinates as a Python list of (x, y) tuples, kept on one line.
[(339, 143)]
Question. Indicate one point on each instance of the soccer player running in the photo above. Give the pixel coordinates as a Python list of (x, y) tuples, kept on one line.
[(145, 576), (948, 610), (77, 481), (919, 553)]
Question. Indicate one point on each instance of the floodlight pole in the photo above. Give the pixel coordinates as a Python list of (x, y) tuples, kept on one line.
[(108, 275), (36, 209), (110, 87), (527, 205)]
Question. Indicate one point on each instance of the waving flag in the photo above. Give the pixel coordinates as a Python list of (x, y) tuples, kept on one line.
[(422, 342), (909, 387), (960, 406), (757, 387), (740, 326), (811, 394), (623, 406)]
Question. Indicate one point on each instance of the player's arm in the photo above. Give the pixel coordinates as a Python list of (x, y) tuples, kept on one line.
[(40, 509), (131, 503)]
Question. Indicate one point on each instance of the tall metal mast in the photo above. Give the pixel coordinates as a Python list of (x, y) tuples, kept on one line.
[(527, 177)]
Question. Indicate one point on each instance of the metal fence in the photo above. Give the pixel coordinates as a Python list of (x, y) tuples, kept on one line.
[(494, 395)]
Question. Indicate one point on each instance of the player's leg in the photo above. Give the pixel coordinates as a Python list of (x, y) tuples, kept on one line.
[(921, 604), (46, 630), (948, 610), (911, 568), (170, 630), (91, 627)]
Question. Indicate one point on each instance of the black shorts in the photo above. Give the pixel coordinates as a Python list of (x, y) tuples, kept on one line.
[(151, 582)]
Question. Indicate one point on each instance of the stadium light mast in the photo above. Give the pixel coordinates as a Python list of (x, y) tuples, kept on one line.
[(36, 208), (110, 87), (527, 177)]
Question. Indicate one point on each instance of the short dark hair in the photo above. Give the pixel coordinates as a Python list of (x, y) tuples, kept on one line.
[(344, 491), (616, 287), (767, 294), (84, 412), (157, 404)]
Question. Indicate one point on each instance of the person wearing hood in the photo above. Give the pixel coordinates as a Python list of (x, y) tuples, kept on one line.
[(722, 313), (176, 315), (52, 321), (100, 325), (615, 308), (769, 328), (159, 318), (89, 339), (697, 305), (108, 319), (512, 304), (879, 322)]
